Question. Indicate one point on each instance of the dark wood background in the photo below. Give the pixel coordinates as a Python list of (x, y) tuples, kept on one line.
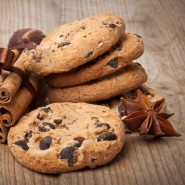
[(161, 23)]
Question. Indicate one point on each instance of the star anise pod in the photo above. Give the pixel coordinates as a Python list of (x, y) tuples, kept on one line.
[(146, 117)]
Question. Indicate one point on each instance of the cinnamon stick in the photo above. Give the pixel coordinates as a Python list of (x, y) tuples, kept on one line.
[(11, 83), (12, 111), (3, 133)]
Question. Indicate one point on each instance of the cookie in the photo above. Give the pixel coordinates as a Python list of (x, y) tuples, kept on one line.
[(125, 80), (124, 52), (114, 103), (75, 43), (64, 137)]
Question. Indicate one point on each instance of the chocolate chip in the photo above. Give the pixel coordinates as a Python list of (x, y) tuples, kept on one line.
[(45, 142), (57, 121), (23, 144), (78, 144), (63, 44), (113, 26), (61, 36), (39, 117), (113, 63), (46, 109), (79, 138), (49, 124), (42, 129), (28, 136), (103, 124), (107, 136), (68, 154), (88, 54)]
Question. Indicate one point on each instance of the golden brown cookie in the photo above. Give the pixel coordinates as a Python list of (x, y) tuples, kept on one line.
[(114, 103), (75, 43), (126, 80), (64, 137), (124, 52)]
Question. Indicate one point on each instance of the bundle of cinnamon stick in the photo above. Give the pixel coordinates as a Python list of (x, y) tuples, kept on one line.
[(15, 97)]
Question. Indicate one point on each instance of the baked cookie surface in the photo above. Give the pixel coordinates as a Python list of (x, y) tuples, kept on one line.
[(129, 48), (75, 43), (64, 137), (112, 85)]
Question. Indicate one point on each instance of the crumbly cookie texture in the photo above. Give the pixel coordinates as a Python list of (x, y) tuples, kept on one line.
[(64, 137), (128, 48), (112, 85), (75, 43)]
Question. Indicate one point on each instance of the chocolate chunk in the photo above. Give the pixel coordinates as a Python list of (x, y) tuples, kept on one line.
[(78, 144), (107, 136), (46, 109), (88, 54), (57, 121), (42, 129), (61, 36), (103, 124), (39, 117), (63, 44), (79, 140), (49, 124), (113, 63), (45, 142), (28, 136), (68, 154), (113, 26), (23, 144)]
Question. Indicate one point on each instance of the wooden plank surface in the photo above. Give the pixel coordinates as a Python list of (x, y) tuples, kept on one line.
[(162, 26)]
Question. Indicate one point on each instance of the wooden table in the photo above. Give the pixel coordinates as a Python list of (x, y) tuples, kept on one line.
[(161, 23)]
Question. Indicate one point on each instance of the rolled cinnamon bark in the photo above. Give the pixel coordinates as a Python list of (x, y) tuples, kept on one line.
[(11, 112), (10, 85), (3, 133)]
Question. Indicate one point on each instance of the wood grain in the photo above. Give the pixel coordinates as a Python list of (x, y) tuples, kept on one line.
[(162, 26)]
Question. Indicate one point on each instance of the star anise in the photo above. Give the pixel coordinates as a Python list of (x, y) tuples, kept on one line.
[(146, 117)]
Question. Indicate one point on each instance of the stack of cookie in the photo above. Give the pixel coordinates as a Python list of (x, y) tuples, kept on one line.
[(89, 60)]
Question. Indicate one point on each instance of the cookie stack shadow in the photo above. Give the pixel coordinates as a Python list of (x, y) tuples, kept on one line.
[(110, 74)]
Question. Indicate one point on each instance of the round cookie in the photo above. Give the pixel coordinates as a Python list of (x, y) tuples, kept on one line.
[(129, 48), (114, 103), (75, 43), (125, 80), (64, 137)]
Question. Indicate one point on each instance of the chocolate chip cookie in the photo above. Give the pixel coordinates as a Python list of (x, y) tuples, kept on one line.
[(75, 43), (112, 85), (64, 137), (124, 52)]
